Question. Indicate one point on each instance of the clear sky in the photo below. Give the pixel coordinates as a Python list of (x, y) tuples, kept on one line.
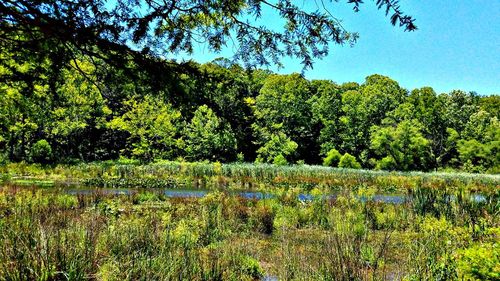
[(457, 46)]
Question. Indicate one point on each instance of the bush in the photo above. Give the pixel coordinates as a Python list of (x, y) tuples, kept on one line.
[(280, 160), (145, 197), (3, 159), (264, 214), (386, 163), (286, 218), (480, 262), (41, 152), (349, 161), (278, 144), (251, 267), (332, 158)]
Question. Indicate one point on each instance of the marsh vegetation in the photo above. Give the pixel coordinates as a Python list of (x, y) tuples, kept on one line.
[(446, 228)]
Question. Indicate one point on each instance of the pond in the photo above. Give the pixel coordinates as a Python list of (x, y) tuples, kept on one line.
[(187, 192), (245, 194)]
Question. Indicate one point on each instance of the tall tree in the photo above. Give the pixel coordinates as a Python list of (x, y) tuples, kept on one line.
[(402, 147), (282, 106), (152, 126), (208, 137), (366, 107), (426, 107), (326, 106), (479, 146)]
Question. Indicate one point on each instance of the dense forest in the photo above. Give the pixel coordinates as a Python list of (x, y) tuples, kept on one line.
[(219, 111)]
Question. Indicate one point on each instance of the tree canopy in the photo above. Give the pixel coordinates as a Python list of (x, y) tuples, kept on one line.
[(88, 80), (224, 113), (143, 30)]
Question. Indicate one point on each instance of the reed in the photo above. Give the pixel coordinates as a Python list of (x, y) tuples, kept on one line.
[(437, 234), (246, 176)]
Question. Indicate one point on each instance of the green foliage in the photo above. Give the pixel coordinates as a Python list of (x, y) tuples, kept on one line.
[(332, 158), (220, 112), (402, 148), (80, 103), (491, 104), (279, 146), (58, 41), (366, 107), (480, 262), (41, 152), (483, 154), (286, 217), (280, 160), (100, 98), (348, 161), (387, 163), (152, 128), (326, 106), (207, 137), (281, 112), (251, 268)]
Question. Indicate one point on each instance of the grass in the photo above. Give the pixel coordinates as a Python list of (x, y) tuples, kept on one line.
[(444, 231), (32, 182), (246, 176), (46, 234)]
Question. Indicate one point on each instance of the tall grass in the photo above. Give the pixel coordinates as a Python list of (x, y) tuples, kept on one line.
[(247, 176), (46, 234)]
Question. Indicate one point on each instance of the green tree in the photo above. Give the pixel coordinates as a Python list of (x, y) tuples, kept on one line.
[(364, 108), (24, 103), (276, 149), (41, 152), (402, 147), (80, 111), (152, 126), (479, 146), (491, 104), (428, 109), (354, 123), (282, 107), (223, 86), (207, 137), (326, 106), (458, 107)]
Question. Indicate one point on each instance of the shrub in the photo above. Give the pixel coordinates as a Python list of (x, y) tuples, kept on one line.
[(264, 214), (280, 160), (41, 152), (251, 267), (332, 158), (349, 161), (208, 137), (276, 145), (480, 262), (3, 159), (386, 163), (286, 218), (145, 197)]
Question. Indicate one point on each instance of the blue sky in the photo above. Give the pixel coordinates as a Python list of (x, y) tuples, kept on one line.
[(457, 46)]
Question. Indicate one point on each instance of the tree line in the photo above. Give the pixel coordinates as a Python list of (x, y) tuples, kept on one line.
[(220, 111)]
